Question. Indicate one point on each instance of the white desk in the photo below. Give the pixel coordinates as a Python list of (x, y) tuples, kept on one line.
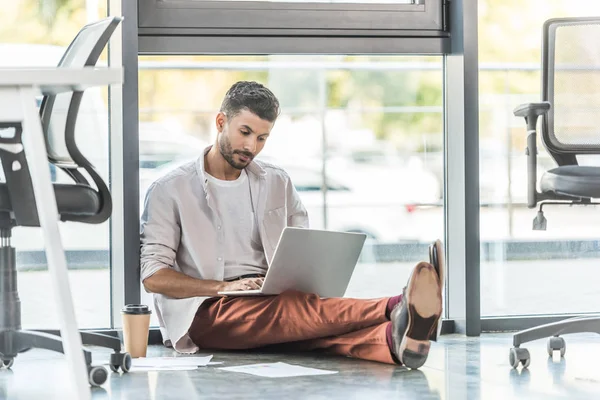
[(18, 91)]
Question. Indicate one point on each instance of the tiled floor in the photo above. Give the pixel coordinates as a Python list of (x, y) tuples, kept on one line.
[(458, 368)]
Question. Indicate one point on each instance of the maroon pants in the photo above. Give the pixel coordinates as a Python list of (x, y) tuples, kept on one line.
[(295, 321)]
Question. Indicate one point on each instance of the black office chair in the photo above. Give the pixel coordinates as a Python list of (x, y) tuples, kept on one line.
[(570, 129), (80, 201)]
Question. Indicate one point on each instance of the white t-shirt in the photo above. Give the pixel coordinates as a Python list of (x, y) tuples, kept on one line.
[(244, 253)]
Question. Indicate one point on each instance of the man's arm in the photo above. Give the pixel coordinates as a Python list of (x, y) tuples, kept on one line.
[(180, 286), (160, 233), (175, 284)]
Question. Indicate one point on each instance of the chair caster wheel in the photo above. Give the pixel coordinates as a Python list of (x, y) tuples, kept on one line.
[(97, 375), (519, 356), (8, 362), (120, 360), (556, 343)]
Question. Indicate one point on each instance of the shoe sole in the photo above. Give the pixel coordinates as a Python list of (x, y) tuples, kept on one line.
[(424, 303), (437, 259)]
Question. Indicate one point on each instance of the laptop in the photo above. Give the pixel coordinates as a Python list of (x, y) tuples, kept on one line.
[(310, 261)]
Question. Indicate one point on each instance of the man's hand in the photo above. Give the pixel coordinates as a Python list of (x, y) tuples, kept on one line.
[(243, 284)]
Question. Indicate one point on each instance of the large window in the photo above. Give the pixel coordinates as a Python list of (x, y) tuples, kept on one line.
[(34, 33), (361, 138), (525, 271)]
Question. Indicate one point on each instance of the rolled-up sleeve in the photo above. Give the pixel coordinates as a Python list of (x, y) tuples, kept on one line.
[(160, 231), (297, 214)]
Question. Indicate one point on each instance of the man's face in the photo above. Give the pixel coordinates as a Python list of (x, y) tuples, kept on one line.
[(242, 137)]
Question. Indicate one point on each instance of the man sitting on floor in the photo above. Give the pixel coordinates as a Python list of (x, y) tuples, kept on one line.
[(212, 225)]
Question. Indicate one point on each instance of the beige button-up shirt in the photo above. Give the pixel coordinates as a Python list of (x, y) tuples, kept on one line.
[(180, 229)]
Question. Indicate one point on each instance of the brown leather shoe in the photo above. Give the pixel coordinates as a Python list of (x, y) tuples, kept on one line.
[(416, 317), (437, 259)]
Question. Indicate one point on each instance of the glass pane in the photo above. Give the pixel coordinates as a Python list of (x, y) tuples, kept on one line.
[(41, 41), (361, 138), (526, 271)]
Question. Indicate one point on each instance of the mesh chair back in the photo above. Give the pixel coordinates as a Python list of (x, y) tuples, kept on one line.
[(59, 112), (571, 83)]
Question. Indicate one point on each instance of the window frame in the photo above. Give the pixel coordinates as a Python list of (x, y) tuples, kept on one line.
[(425, 18)]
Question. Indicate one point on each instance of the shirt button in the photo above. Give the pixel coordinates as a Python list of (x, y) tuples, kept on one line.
[(220, 258), (219, 227)]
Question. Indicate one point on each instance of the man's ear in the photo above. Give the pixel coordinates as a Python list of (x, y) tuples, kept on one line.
[(220, 121)]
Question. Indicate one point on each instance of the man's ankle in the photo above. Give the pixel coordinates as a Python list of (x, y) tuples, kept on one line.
[(391, 304)]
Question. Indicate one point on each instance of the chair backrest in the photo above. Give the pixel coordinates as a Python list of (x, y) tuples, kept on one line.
[(59, 112), (571, 83)]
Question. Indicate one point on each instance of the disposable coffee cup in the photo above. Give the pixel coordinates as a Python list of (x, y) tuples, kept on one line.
[(136, 326)]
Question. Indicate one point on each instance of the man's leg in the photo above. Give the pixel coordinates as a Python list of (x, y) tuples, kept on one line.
[(349, 327), (404, 340), (251, 322), (367, 344)]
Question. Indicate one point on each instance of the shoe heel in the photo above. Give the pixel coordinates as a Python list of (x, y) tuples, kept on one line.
[(414, 353)]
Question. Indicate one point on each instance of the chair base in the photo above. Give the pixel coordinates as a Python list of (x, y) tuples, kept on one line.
[(519, 355), (14, 340)]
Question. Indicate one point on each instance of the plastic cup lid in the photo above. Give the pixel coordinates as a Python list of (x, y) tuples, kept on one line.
[(136, 309)]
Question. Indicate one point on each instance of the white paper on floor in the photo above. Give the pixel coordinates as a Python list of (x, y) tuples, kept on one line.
[(278, 370), (154, 368), (169, 363)]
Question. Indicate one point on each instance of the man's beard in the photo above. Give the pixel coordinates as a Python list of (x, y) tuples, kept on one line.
[(227, 152)]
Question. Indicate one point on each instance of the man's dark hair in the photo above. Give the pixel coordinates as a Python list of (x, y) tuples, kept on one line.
[(251, 96)]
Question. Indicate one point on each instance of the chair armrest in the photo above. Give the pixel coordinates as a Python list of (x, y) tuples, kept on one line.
[(531, 112), (532, 109)]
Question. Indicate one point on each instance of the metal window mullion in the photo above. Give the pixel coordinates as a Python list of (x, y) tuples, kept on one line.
[(115, 142), (462, 170), (124, 163)]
